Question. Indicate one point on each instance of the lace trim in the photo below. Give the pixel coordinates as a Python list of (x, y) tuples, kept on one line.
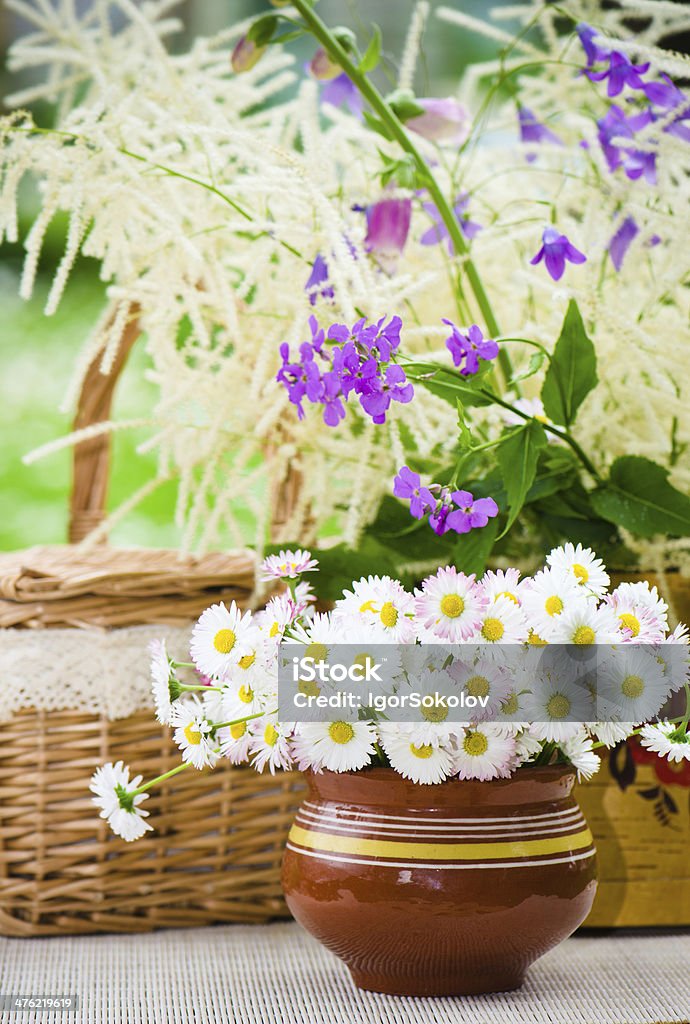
[(102, 672)]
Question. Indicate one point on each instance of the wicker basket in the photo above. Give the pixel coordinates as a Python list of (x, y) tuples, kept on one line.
[(215, 854)]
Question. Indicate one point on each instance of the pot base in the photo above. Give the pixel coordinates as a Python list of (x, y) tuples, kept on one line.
[(453, 984)]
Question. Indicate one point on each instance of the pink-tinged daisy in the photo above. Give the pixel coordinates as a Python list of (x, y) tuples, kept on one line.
[(503, 622), (502, 583), (667, 739), (582, 565), (279, 613), (484, 752), (547, 595), (450, 605), (578, 749), (642, 615), (287, 565), (383, 603), (194, 734), (423, 762), (220, 638)]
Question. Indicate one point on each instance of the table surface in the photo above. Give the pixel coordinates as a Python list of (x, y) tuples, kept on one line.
[(277, 974)]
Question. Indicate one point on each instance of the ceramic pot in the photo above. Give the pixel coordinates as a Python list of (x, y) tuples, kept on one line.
[(450, 889)]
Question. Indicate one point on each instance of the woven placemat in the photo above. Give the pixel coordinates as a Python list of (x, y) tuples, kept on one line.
[(276, 974)]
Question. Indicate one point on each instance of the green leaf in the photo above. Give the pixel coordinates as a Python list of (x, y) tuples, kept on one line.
[(372, 54), (263, 29), (346, 37), (534, 366), (472, 550), (376, 125), (448, 384), (404, 104), (465, 439), (572, 372), (638, 497), (517, 458)]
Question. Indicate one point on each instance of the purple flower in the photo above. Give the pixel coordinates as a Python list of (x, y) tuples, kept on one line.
[(388, 225), (620, 72), (340, 92), (317, 283), (469, 348), (556, 250), (593, 52), (621, 241), (533, 131), (379, 392), (470, 514), (438, 232), (668, 96), (407, 485), (443, 120), (616, 126)]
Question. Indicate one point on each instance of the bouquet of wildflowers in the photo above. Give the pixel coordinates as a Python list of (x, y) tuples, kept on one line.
[(226, 707), (469, 315)]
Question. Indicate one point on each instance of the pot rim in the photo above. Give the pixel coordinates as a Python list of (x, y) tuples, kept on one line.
[(381, 773)]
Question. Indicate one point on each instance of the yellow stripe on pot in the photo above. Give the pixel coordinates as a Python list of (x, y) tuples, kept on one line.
[(496, 850)]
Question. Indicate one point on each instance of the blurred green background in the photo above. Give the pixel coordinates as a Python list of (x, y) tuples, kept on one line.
[(37, 353)]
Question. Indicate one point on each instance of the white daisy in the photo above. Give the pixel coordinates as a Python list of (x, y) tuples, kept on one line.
[(220, 638), (433, 688), (547, 595), (610, 733), (450, 604), (642, 615), (533, 407), (484, 752), (527, 746), (426, 763), (631, 680), (557, 705), (120, 805), (502, 583), (279, 613), (485, 681), (383, 603), (582, 565), (666, 739), (240, 700), (270, 745), (673, 654), (235, 741), (287, 565), (304, 598), (585, 625), (212, 699), (161, 671), (578, 750), (336, 746), (193, 734), (503, 622)]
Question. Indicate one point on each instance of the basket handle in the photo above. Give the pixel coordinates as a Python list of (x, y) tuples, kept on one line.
[(91, 459)]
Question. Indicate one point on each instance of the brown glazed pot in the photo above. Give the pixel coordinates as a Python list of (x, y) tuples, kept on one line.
[(450, 889)]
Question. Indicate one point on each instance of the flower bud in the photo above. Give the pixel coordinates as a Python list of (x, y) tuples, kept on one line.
[(322, 67), (443, 120), (246, 54)]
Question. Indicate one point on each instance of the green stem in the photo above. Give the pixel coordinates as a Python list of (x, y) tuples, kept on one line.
[(686, 716), (190, 688), (237, 721), (334, 48), (161, 778)]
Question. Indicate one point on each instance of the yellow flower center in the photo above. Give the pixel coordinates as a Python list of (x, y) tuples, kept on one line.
[(319, 652), (535, 640), (553, 605), (632, 686), (584, 635), (478, 686), (389, 614), (580, 572), (246, 694), (270, 735), (341, 732), (274, 630), (247, 660), (511, 597), (631, 622), (475, 744), (435, 713), (310, 687), (192, 735), (510, 706), (452, 605), (558, 706), (422, 752), (224, 641), (364, 660), (238, 730), (492, 630), (368, 606)]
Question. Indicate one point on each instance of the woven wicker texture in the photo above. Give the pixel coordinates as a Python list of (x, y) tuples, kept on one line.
[(278, 975), (215, 855)]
